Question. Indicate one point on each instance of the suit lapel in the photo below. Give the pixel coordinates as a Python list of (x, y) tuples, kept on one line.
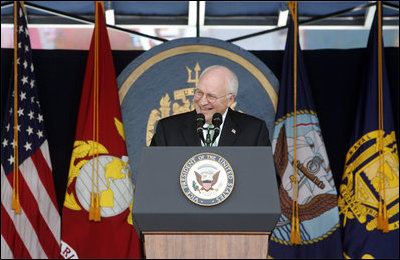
[(230, 130), (189, 130)]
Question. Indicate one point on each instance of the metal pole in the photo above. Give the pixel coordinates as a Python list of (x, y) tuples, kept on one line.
[(198, 19), (84, 20), (316, 19)]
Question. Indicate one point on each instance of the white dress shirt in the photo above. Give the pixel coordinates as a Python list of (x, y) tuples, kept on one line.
[(205, 127)]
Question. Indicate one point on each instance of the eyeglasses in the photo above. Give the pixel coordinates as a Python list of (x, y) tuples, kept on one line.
[(198, 94)]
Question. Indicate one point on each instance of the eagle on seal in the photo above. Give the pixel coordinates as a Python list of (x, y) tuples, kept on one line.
[(207, 181)]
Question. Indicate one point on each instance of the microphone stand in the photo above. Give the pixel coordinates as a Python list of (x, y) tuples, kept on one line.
[(208, 138)]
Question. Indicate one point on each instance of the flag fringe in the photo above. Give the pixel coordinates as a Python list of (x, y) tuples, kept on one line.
[(97, 216), (92, 207), (383, 222), (295, 238), (15, 204)]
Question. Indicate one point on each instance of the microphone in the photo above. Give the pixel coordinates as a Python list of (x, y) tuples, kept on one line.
[(200, 121), (216, 121)]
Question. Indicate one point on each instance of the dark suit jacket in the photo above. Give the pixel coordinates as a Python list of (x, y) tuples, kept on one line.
[(238, 130)]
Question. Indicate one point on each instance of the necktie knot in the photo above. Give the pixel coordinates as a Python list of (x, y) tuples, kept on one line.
[(210, 134), (211, 131)]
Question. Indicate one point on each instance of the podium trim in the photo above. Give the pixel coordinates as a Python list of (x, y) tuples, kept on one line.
[(204, 233)]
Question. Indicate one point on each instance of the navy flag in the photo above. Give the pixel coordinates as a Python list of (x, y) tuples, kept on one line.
[(309, 223), (369, 192)]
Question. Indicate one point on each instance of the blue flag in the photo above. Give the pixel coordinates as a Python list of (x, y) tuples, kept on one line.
[(318, 213), (363, 184)]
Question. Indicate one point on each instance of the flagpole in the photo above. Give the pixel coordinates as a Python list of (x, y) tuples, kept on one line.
[(92, 208), (382, 220), (295, 229), (97, 82), (94, 211), (15, 204)]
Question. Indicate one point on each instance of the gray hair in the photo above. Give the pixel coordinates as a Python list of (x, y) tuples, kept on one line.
[(233, 82)]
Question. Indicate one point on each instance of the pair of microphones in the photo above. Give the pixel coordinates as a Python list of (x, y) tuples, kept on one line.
[(216, 121)]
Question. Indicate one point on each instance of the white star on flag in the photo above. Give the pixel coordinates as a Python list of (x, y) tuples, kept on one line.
[(32, 217)]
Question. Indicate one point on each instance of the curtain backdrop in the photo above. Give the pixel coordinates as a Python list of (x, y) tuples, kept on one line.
[(335, 79)]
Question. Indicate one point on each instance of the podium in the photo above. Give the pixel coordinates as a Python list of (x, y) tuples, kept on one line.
[(174, 224)]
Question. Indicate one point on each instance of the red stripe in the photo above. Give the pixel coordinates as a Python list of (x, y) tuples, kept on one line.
[(45, 175), (11, 236), (31, 209)]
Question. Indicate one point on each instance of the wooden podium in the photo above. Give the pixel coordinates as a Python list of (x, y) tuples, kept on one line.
[(172, 226), (205, 245)]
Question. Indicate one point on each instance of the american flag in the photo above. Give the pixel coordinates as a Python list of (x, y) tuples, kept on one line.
[(35, 232)]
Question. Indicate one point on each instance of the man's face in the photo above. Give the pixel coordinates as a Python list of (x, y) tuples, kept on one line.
[(213, 85)]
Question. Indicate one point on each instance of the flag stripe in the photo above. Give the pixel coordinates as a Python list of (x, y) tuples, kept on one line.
[(46, 154), (6, 252), (23, 226), (32, 210), (8, 233), (11, 237), (40, 162), (47, 209)]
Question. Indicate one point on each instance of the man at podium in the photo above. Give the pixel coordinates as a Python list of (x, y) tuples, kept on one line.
[(215, 93), (225, 201)]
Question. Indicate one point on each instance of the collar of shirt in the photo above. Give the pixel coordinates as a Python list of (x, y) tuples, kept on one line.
[(222, 124)]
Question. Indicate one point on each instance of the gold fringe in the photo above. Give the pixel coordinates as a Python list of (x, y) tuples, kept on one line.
[(97, 216), (94, 211), (295, 238), (92, 207), (382, 219), (15, 204)]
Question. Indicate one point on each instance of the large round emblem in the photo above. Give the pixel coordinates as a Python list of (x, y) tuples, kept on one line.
[(207, 179), (115, 187), (161, 82)]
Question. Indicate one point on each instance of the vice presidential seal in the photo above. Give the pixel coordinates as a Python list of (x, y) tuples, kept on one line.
[(207, 179)]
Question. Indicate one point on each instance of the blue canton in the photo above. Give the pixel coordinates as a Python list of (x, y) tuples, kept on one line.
[(30, 117)]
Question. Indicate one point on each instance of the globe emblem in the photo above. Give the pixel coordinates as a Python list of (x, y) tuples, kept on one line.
[(115, 186)]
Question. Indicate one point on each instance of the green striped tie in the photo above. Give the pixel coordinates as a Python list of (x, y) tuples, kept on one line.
[(211, 129)]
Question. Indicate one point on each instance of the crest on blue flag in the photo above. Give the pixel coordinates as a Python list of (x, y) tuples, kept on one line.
[(317, 192), (317, 197), (371, 172)]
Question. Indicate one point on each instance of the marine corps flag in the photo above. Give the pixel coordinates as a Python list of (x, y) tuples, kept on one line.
[(309, 223), (97, 219), (369, 192)]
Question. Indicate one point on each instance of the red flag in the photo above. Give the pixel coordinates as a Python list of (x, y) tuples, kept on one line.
[(30, 221), (97, 220)]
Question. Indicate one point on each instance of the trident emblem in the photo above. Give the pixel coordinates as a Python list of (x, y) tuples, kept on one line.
[(196, 70)]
